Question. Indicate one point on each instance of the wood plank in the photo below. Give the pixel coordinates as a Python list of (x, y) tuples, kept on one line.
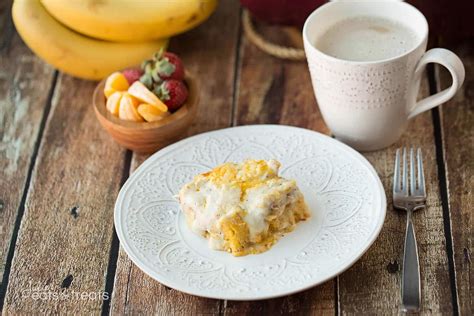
[(25, 83), (64, 239), (373, 283), (275, 91), (6, 24), (457, 121), (319, 300), (209, 52)]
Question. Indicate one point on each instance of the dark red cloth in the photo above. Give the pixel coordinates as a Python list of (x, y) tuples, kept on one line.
[(449, 20), (283, 12)]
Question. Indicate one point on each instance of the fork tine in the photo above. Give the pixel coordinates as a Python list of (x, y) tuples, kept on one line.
[(405, 172), (396, 173), (421, 175), (412, 172)]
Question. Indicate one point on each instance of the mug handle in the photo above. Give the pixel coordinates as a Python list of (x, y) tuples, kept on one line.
[(453, 63)]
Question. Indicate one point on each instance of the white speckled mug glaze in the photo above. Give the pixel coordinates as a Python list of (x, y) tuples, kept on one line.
[(367, 104)]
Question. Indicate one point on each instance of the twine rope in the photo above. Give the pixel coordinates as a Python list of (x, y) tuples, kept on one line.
[(269, 48)]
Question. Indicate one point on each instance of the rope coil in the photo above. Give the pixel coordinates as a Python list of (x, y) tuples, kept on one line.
[(269, 48)]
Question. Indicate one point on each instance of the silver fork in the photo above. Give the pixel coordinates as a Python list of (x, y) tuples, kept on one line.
[(409, 194)]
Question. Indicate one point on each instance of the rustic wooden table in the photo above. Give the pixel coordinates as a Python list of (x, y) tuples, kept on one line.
[(60, 175)]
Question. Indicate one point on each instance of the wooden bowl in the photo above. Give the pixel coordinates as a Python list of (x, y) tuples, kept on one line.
[(147, 137)]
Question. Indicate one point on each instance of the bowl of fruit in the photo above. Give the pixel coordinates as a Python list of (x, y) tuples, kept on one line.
[(147, 107)]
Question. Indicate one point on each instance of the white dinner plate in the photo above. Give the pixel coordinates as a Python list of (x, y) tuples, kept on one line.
[(341, 188)]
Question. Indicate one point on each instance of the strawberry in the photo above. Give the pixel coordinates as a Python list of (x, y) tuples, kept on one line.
[(170, 66), (132, 74), (172, 92)]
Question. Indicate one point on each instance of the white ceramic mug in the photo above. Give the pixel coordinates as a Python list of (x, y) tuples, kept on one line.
[(368, 104)]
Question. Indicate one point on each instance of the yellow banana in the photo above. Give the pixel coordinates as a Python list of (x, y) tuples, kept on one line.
[(130, 20), (71, 52)]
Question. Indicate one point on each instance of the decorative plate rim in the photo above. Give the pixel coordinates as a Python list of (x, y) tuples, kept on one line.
[(201, 293)]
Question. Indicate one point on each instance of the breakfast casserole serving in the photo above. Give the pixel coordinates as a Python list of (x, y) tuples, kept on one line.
[(243, 208)]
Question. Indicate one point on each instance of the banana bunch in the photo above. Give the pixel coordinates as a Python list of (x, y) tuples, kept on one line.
[(91, 39)]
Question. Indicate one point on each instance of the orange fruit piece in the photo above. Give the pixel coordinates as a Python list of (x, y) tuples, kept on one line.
[(128, 108), (151, 113), (113, 102), (141, 92), (115, 82)]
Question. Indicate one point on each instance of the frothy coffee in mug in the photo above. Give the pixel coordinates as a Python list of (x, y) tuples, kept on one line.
[(366, 39), (367, 60)]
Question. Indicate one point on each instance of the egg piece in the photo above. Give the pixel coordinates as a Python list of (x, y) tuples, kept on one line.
[(243, 208)]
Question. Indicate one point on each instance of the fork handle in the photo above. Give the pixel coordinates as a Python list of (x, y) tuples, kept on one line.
[(411, 271)]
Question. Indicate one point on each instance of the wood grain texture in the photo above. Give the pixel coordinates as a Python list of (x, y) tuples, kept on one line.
[(23, 100), (319, 300), (275, 91), (372, 285), (457, 121), (209, 53), (64, 239), (6, 24)]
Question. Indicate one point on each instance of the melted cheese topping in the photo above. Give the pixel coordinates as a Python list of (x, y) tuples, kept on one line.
[(242, 208)]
